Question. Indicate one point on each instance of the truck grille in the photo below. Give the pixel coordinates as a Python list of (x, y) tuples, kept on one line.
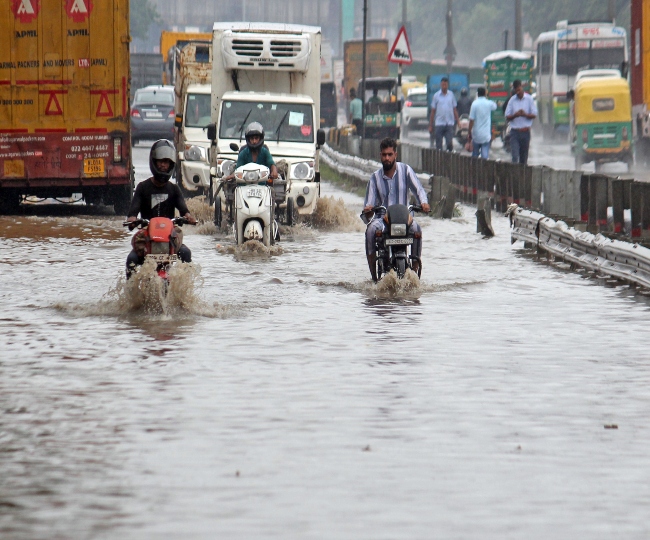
[(285, 49), (247, 47)]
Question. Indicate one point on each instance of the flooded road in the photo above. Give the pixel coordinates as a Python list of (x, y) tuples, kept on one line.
[(285, 396)]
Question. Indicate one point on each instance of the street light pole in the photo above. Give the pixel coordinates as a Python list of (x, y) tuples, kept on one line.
[(363, 70), (450, 50), (519, 42)]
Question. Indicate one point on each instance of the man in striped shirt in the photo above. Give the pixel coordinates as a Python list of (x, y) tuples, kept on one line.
[(391, 185)]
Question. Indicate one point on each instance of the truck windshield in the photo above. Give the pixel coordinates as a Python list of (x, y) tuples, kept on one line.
[(296, 127), (197, 112)]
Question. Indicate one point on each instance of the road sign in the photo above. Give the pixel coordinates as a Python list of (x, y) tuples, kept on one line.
[(400, 53)]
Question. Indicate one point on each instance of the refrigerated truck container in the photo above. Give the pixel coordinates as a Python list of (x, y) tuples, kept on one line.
[(64, 101)]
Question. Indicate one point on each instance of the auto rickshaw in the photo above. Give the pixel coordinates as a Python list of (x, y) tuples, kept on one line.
[(601, 121), (381, 107)]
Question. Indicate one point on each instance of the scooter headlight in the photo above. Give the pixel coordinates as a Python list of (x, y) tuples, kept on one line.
[(303, 170), (194, 153), (398, 229), (251, 176)]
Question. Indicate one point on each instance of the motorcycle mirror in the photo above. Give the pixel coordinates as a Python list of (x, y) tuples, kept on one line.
[(212, 132), (320, 137), (234, 147)]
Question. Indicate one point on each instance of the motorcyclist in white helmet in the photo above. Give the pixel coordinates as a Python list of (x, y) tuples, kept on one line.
[(255, 151), (157, 197)]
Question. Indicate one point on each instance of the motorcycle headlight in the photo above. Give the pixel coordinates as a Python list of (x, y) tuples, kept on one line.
[(303, 170), (398, 229), (194, 153), (227, 166)]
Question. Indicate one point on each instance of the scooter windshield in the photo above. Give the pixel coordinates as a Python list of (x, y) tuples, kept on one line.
[(288, 122)]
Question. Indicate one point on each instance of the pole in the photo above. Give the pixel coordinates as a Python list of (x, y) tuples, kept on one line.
[(519, 42), (363, 69), (404, 13), (505, 40), (450, 50), (611, 10)]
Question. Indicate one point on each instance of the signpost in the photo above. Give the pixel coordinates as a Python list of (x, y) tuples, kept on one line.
[(400, 54)]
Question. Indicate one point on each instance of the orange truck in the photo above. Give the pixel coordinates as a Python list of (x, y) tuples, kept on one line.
[(171, 44), (64, 102)]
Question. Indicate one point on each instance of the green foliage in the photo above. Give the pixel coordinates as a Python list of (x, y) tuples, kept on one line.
[(143, 13), (479, 24)]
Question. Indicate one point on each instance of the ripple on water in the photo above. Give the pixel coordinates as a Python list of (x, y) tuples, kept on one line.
[(251, 249)]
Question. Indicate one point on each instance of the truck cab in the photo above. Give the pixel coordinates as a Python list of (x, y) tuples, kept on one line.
[(193, 173)]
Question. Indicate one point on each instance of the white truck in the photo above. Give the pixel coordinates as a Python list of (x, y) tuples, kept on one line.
[(268, 73), (193, 95)]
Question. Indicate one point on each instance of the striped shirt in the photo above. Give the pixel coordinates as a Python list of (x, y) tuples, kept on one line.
[(385, 191)]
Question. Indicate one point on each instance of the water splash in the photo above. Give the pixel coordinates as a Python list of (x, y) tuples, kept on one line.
[(145, 293), (251, 249), (331, 214)]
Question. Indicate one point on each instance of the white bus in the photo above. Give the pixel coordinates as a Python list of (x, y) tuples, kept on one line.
[(561, 53)]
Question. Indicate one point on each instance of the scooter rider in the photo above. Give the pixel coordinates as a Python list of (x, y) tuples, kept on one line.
[(255, 151), (156, 197), (464, 102), (390, 185)]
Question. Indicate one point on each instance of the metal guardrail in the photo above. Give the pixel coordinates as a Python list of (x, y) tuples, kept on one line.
[(622, 260)]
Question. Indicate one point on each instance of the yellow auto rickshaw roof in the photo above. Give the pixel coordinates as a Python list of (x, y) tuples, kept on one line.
[(589, 89)]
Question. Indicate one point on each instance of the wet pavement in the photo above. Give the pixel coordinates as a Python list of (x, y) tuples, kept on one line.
[(283, 395)]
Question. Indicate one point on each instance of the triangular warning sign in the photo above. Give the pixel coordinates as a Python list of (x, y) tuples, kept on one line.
[(104, 100), (51, 103), (400, 53)]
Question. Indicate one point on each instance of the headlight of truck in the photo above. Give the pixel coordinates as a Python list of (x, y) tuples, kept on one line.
[(398, 229), (226, 167), (195, 153), (303, 170)]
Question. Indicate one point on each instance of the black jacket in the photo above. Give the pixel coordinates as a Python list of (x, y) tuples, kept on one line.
[(151, 201)]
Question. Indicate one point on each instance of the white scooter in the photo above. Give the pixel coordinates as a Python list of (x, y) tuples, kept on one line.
[(254, 205)]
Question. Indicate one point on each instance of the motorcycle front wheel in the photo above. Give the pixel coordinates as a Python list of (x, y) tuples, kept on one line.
[(401, 268)]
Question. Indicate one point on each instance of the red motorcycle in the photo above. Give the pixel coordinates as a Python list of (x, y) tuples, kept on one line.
[(159, 239)]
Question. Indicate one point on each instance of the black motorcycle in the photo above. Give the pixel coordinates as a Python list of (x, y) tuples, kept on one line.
[(394, 245)]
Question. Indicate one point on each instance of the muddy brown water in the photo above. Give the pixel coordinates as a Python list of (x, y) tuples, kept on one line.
[(286, 396)]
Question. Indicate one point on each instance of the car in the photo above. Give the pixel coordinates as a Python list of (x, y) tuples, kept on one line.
[(152, 114), (414, 112)]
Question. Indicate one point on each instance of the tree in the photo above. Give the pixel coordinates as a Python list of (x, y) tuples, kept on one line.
[(143, 13)]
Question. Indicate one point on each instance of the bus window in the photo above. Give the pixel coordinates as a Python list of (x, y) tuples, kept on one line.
[(544, 57)]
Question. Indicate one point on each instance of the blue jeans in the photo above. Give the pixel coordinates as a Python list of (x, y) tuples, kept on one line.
[(482, 149), (448, 133), (519, 144)]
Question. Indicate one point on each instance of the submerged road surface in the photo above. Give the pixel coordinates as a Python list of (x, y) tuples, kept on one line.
[(285, 396)]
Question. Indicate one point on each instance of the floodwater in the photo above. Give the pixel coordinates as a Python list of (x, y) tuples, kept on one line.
[(282, 395)]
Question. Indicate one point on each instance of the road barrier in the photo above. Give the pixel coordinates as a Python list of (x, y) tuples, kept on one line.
[(626, 261)]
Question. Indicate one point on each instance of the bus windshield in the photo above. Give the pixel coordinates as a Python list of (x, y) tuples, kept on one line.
[(293, 122), (573, 56)]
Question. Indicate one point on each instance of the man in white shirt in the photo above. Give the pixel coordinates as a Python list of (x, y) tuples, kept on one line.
[(480, 124), (520, 112), (444, 115)]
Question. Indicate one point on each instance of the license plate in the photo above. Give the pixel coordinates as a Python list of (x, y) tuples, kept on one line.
[(398, 241), (165, 257), (254, 192), (94, 167), (154, 115)]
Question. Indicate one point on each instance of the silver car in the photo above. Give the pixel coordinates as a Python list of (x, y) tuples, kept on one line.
[(152, 114), (414, 112)]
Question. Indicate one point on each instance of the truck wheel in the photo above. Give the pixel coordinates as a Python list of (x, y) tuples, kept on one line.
[(9, 202), (290, 212), (218, 217)]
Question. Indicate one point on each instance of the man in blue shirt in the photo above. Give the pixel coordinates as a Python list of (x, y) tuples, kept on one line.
[(480, 124), (444, 115), (520, 112), (391, 185)]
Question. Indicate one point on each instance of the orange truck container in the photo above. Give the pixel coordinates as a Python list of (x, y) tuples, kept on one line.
[(171, 44), (64, 101)]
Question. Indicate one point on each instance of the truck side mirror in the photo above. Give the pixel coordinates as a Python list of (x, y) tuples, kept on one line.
[(234, 147), (320, 137), (178, 121), (212, 132), (570, 95), (625, 68)]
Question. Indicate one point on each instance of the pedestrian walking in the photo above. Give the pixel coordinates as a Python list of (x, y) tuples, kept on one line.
[(520, 112), (356, 111), (444, 115), (480, 124)]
